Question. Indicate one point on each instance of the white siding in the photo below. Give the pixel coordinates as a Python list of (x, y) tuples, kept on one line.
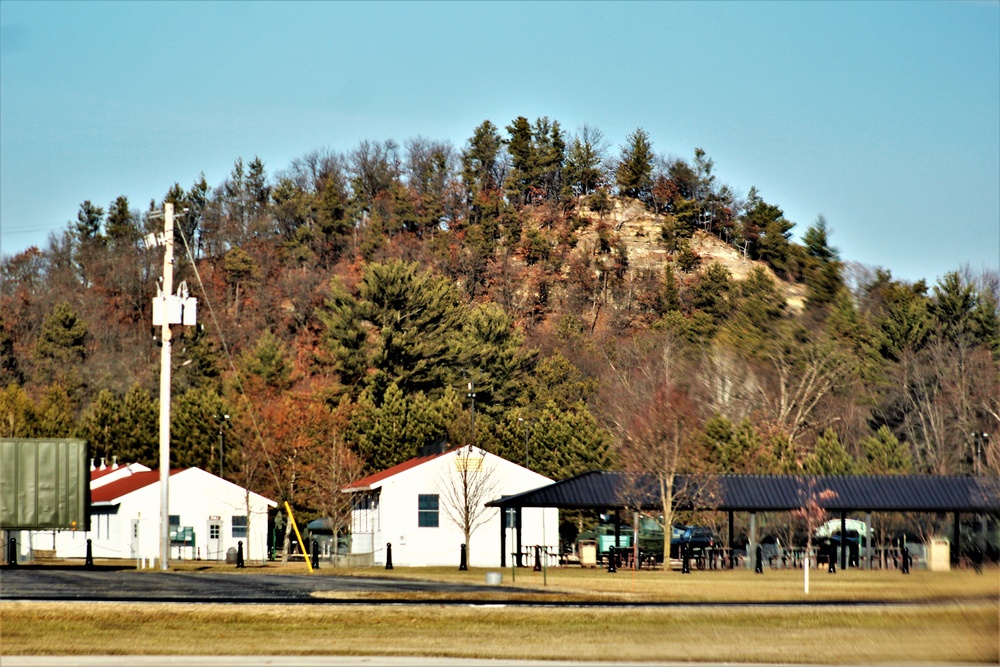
[(195, 495), (413, 545)]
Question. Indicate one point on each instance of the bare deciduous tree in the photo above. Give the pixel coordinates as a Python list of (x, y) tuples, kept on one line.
[(466, 490), (804, 375)]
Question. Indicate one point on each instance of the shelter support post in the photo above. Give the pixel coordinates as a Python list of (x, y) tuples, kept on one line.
[(956, 536), (752, 544), (618, 529), (732, 558), (843, 541), (503, 536), (868, 540), (517, 528)]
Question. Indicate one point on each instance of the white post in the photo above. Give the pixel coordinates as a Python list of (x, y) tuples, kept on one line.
[(168, 289), (807, 572)]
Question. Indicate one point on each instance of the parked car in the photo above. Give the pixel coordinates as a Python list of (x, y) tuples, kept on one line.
[(697, 538)]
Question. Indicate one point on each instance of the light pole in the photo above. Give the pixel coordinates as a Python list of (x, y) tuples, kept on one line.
[(979, 440), (472, 410), (526, 430), (222, 419)]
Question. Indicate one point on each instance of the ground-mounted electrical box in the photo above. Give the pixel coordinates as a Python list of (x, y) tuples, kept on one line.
[(44, 484)]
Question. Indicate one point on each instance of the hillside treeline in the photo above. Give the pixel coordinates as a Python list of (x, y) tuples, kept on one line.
[(351, 304)]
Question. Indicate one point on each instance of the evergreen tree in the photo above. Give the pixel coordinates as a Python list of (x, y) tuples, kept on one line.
[(823, 274), (345, 340), (417, 319), (18, 416), (270, 361), (482, 169), (102, 424), (523, 161), (500, 365), (400, 426), (194, 428), (884, 455), (583, 172), (634, 174), (62, 343), (88, 222), (122, 226), (139, 439), (829, 457), (56, 414), (564, 443)]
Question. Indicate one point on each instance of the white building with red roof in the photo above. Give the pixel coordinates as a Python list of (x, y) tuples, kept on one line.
[(208, 516), (419, 507)]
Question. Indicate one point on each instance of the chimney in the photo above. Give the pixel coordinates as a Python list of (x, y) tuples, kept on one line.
[(103, 466), (114, 463), (92, 467)]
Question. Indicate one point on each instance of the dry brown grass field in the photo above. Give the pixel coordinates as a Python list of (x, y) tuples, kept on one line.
[(935, 618)]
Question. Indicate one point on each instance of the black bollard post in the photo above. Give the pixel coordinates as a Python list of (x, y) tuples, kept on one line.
[(538, 559), (12, 552), (463, 564), (758, 567), (239, 554), (685, 560), (831, 555), (611, 560), (388, 555), (89, 562), (315, 555), (905, 557)]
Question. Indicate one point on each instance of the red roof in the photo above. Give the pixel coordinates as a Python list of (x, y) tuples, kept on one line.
[(126, 485), (395, 470)]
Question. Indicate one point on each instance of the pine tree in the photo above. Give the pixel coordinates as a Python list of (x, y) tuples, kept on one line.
[(634, 175), (829, 457), (884, 455)]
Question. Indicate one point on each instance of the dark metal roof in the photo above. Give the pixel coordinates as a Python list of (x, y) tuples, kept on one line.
[(602, 490)]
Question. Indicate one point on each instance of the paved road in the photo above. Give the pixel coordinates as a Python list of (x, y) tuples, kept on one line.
[(115, 584), (127, 585)]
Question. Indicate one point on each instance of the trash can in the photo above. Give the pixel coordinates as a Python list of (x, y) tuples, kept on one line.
[(588, 553), (939, 554)]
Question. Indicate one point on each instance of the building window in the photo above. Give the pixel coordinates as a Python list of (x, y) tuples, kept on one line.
[(214, 531), (427, 510), (239, 526)]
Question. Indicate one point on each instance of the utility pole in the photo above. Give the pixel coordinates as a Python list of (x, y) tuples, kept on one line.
[(167, 309), (166, 291)]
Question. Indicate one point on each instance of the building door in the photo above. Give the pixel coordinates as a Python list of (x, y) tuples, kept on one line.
[(135, 538), (214, 545)]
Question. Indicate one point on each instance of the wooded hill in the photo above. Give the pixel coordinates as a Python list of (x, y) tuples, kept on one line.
[(605, 303)]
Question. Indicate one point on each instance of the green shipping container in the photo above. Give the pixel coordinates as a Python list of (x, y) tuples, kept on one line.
[(44, 484)]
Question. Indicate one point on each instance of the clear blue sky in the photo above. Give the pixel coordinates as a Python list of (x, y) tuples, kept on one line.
[(884, 117)]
